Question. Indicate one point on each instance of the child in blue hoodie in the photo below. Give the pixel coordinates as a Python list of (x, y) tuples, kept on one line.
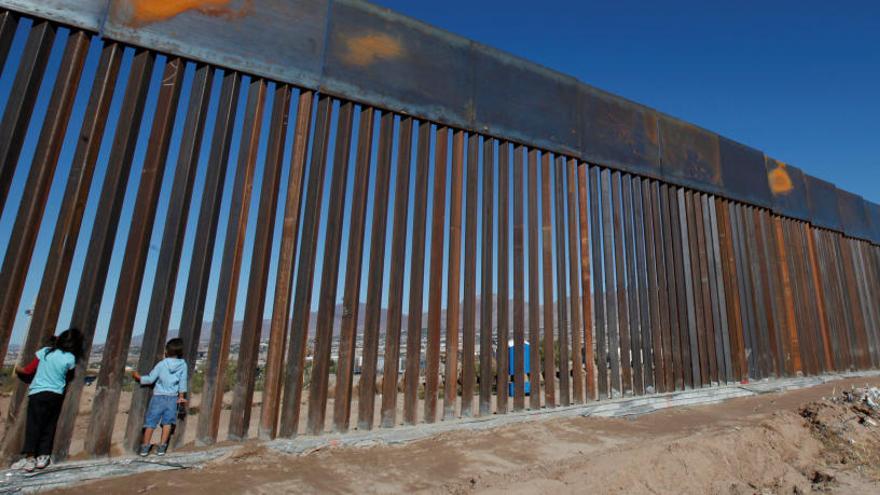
[(169, 379)]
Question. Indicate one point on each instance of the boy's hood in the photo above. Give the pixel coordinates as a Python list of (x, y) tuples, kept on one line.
[(174, 364)]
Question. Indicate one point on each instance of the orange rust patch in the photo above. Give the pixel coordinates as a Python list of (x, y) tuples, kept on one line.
[(368, 48), (780, 182), (149, 11)]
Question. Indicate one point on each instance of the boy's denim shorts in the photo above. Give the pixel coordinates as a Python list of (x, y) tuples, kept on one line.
[(162, 410)]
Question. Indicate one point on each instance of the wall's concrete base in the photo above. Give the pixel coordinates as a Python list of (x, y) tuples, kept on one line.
[(74, 472)]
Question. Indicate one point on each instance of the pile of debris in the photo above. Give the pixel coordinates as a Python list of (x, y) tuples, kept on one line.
[(848, 425)]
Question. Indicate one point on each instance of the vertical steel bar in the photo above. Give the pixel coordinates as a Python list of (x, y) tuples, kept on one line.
[(656, 281), (351, 296), (708, 320), (64, 239), (586, 296), (632, 287), (819, 296), (574, 283), (395, 282), (667, 268), (503, 369), (686, 341), (165, 280), (486, 290), (417, 276), (8, 26), (330, 273), (255, 300), (109, 383), (435, 292), (453, 278), (696, 322), (230, 268), (29, 216), (547, 271), (20, 107), (535, 369), (720, 293), (640, 219), (598, 284), (468, 373), (666, 310), (626, 361), (320, 371), (561, 306), (731, 290), (519, 322), (610, 287), (206, 230), (376, 271), (302, 301)]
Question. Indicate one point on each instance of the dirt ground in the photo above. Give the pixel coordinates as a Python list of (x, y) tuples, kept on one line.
[(795, 442)]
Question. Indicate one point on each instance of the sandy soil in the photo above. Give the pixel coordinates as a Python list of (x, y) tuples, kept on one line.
[(794, 442)]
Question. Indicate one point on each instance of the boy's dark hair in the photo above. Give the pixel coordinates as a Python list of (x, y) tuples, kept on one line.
[(70, 340), (174, 348)]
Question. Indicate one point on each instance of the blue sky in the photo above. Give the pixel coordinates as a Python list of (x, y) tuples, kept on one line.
[(796, 80)]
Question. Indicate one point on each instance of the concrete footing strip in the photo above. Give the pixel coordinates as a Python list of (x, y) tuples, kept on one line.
[(67, 474)]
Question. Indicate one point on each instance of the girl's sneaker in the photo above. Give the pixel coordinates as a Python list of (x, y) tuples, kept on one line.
[(43, 462), (25, 464), (162, 449), (145, 450)]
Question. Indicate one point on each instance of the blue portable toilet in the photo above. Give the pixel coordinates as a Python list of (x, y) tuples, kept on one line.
[(527, 386)]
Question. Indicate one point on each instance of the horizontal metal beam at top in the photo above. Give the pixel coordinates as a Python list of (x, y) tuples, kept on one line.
[(371, 55)]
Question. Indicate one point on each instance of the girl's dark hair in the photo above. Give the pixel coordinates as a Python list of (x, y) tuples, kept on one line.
[(70, 340), (174, 348)]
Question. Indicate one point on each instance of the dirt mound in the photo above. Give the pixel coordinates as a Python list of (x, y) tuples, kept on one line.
[(848, 427)]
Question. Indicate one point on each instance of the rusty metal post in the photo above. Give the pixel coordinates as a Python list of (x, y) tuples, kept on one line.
[(453, 278), (67, 226), (228, 280), (19, 109), (375, 275), (319, 379), (351, 296), (547, 270), (255, 300), (435, 289), (206, 230), (486, 291), (417, 277), (280, 322), (165, 281)]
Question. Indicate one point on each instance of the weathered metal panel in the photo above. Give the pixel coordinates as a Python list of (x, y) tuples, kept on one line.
[(523, 101), (690, 156), (854, 215), (617, 133), (85, 14), (788, 189), (277, 39), (822, 198), (397, 63), (743, 174)]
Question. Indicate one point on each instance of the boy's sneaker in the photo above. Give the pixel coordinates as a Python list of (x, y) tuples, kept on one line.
[(43, 462), (145, 450), (25, 464), (162, 449)]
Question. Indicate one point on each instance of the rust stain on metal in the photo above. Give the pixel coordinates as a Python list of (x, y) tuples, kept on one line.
[(365, 49), (779, 180), (141, 12)]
